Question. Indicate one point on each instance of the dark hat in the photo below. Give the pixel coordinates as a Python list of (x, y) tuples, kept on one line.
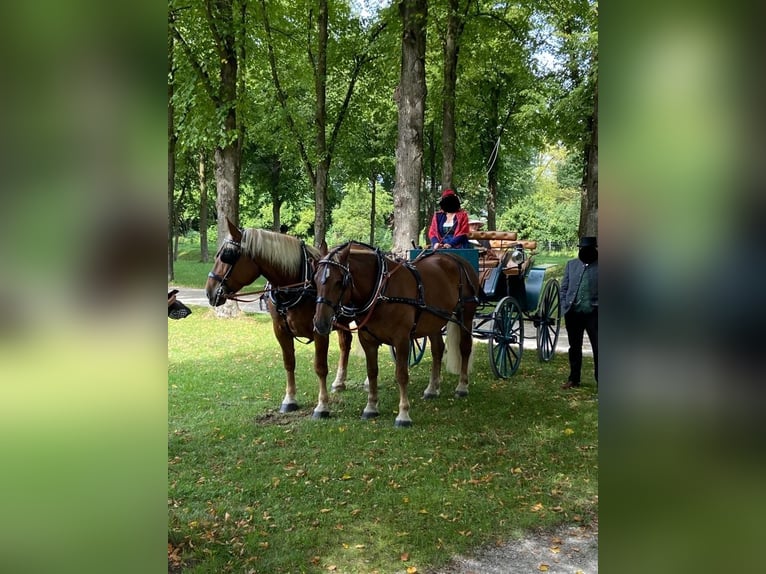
[(587, 242)]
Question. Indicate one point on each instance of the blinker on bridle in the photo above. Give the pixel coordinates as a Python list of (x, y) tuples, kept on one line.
[(229, 254), (345, 282)]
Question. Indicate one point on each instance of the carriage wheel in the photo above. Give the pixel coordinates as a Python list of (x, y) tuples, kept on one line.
[(417, 350), (549, 321), (507, 340)]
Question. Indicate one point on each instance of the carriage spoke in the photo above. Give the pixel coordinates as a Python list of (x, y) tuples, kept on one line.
[(506, 342)]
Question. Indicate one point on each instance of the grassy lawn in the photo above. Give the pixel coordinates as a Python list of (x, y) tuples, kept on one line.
[(253, 490)]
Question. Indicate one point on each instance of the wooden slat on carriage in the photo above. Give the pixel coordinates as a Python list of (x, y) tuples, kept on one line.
[(515, 290)]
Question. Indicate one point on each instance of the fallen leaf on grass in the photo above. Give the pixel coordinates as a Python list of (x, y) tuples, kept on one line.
[(412, 570), (405, 556), (543, 567), (537, 507)]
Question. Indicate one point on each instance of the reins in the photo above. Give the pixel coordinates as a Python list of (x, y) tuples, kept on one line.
[(268, 289)]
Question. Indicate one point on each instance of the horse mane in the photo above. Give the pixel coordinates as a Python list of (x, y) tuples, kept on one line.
[(282, 251)]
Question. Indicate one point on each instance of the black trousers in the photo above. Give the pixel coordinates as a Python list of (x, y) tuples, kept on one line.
[(577, 325)]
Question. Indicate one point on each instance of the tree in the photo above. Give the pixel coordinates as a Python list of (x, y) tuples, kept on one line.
[(411, 99), (575, 45), (315, 148), (456, 17), (212, 37)]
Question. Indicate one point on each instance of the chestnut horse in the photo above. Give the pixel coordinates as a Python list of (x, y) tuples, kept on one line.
[(287, 263), (394, 301)]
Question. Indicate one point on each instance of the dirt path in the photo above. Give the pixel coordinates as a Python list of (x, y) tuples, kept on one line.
[(566, 550)]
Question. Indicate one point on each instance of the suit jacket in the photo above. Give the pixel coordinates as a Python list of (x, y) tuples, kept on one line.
[(457, 237), (573, 273)]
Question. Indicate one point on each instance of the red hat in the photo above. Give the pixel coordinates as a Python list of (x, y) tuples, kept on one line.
[(447, 193)]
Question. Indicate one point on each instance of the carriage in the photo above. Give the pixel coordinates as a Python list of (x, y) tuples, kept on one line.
[(516, 293)]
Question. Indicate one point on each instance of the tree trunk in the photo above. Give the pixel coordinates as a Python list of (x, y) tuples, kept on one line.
[(374, 183), (411, 104), (589, 205), (204, 254), (227, 156), (320, 119), (171, 159), (450, 50)]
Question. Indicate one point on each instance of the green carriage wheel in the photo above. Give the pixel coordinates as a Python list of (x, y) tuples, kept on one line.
[(417, 350), (507, 340), (549, 321)]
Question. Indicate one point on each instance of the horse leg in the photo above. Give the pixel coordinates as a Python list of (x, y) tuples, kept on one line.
[(371, 355), (344, 341), (402, 379), (289, 403), (433, 390), (321, 345), (466, 345)]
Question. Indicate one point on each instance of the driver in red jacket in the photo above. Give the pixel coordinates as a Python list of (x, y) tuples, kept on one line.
[(449, 225)]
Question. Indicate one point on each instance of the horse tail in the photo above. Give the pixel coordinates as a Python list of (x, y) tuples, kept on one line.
[(356, 345), (453, 359)]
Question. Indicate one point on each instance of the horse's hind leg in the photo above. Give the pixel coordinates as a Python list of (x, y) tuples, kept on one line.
[(344, 341), (371, 355), (321, 345), (402, 378), (437, 353)]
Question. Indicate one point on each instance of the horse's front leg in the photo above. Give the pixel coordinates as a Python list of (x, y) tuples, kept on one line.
[(287, 343), (321, 347), (437, 353), (371, 355), (402, 379), (344, 342)]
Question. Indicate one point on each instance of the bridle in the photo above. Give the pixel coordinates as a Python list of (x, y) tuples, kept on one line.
[(347, 283), (229, 253), (337, 308)]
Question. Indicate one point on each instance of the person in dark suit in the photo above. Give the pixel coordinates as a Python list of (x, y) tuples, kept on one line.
[(579, 304)]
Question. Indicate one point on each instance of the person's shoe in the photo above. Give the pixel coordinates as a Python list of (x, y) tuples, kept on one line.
[(570, 385)]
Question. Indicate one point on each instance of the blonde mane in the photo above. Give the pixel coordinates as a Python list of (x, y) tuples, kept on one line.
[(282, 251)]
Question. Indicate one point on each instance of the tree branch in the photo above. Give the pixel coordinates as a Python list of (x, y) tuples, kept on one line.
[(282, 97), (203, 77)]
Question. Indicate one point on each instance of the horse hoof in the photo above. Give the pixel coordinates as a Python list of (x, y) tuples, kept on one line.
[(461, 394), (320, 415), (366, 416), (429, 396), (288, 407), (402, 424), (337, 388)]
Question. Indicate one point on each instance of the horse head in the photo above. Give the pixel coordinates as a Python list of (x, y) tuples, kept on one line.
[(332, 279), (231, 271)]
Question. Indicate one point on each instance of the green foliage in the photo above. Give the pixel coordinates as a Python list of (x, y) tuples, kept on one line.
[(351, 219), (253, 490), (549, 214)]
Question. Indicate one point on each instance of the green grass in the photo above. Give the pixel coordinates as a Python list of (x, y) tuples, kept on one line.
[(254, 490), (188, 269)]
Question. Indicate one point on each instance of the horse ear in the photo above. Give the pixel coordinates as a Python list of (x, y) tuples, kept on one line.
[(343, 254), (234, 231), (323, 251)]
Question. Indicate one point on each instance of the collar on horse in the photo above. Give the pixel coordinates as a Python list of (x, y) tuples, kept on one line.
[(287, 297)]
